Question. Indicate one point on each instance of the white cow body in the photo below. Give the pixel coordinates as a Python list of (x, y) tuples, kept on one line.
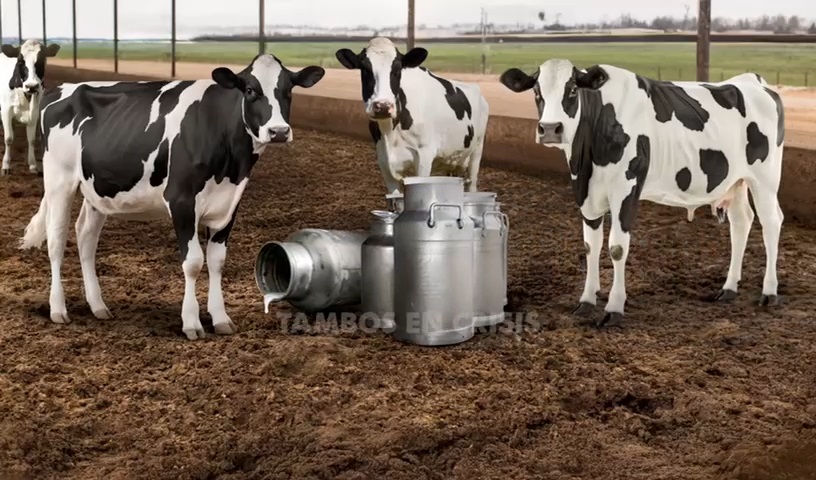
[(682, 144), (422, 124), (21, 75)]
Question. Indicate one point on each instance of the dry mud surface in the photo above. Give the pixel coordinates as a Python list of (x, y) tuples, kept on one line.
[(686, 389)]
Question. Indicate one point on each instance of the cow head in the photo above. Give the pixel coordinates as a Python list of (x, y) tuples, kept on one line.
[(266, 86), (29, 72), (559, 88), (381, 65)]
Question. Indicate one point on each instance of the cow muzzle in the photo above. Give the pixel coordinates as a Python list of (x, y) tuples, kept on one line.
[(549, 133), (280, 134), (381, 110)]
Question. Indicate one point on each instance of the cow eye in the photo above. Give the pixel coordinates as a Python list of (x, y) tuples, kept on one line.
[(250, 91)]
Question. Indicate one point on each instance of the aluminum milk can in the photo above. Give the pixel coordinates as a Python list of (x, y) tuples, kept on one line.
[(489, 257), (433, 264), (378, 269), (313, 269)]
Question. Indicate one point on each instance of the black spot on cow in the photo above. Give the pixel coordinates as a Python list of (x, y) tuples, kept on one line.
[(539, 100), (757, 147), (758, 77), (404, 118), (569, 102), (160, 165), (638, 169), (683, 179), (610, 139), (728, 97), (593, 224), (469, 136), (374, 130), (580, 162), (19, 74), (780, 116), (670, 100), (715, 165), (455, 97)]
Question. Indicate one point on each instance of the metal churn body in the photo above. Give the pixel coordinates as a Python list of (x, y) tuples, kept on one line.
[(433, 264), (489, 257), (313, 269), (378, 269)]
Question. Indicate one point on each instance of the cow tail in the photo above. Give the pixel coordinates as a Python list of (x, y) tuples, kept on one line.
[(35, 232)]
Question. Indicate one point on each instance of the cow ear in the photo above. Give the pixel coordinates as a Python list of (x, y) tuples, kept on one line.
[(414, 57), (348, 59), (227, 79), (594, 78), (51, 50), (10, 51), (308, 76), (517, 81)]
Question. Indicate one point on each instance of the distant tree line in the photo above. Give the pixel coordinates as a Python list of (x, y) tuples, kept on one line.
[(778, 24)]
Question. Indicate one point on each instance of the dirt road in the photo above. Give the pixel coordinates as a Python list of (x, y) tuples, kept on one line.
[(800, 103)]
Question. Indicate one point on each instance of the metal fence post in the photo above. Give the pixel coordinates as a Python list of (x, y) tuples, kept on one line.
[(261, 42), (73, 26), (1, 22), (19, 22), (806, 79), (45, 37), (173, 39), (116, 36)]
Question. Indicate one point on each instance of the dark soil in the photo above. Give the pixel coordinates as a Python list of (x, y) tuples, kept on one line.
[(686, 389)]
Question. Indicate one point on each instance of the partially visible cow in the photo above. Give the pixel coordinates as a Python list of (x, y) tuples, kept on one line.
[(422, 124), (148, 150), (22, 71), (682, 144)]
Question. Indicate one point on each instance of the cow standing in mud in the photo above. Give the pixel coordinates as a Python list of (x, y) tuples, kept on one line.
[(685, 144), (422, 124)]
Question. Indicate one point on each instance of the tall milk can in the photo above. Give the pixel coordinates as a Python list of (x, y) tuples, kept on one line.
[(433, 264), (378, 269), (489, 257), (313, 269)]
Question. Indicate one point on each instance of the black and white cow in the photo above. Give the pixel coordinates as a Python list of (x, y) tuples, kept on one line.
[(422, 124), (146, 150), (682, 144), (22, 71)]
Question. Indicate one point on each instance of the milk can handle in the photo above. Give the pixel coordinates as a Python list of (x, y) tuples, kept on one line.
[(434, 206), (502, 217)]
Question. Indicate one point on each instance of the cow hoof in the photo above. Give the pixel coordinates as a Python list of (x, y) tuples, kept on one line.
[(726, 296), (103, 314), (4, 172), (33, 169), (225, 328), (610, 319), (60, 317), (194, 333), (584, 309), (768, 300)]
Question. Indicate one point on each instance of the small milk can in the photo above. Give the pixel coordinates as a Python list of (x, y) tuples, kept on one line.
[(433, 264), (378, 269), (489, 257), (313, 269)]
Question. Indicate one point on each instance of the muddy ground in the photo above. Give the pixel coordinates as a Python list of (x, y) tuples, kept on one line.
[(686, 389)]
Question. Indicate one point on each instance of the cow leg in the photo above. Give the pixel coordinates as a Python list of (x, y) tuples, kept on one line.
[(619, 251), (474, 163), (88, 228), (60, 187), (423, 161), (216, 255), (593, 240), (771, 218), (31, 134), (387, 161), (186, 226), (8, 134), (740, 218)]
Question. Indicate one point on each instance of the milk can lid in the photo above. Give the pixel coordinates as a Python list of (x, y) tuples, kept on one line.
[(384, 216)]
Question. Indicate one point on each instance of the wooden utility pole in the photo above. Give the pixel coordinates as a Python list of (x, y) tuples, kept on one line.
[(173, 38), (45, 38), (20, 22), (73, 29), (116, 36), (411, 37), (703, 39)]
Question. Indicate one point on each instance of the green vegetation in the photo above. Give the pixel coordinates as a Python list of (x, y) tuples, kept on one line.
[(670, 61)]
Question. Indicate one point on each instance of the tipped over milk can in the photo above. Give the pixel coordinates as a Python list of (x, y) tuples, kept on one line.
[(433, 264), (312, 269), (489, 257), (378, 269)]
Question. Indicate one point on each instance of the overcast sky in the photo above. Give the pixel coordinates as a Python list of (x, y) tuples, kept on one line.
[(139, 18)]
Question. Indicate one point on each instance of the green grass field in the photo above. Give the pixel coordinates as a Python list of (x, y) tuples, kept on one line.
[(790, 64)]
